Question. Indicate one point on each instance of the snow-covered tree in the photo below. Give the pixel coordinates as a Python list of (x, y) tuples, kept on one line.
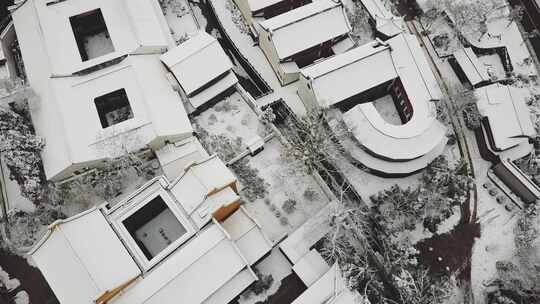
[(312, 143), (469, 17), (442, 187), (380, 268), (359, 19), (20, 149)]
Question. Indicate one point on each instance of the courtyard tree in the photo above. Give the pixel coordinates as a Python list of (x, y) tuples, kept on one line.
[(312, 143)]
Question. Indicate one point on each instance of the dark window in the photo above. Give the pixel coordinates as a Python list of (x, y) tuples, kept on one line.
[(113, 108), (91, 34), (154, 227)]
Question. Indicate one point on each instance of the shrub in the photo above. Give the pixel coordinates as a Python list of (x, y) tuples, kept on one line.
[(472, 116), (289, 206), (262, 284), (311, 195)]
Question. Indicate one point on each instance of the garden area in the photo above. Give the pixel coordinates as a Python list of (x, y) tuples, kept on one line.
[(279, 194)]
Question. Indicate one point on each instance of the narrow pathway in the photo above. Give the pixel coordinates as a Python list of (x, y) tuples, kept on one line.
[(452, 251)]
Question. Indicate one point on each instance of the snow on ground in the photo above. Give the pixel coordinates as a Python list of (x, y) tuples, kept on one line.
[(22, 297), (179, 18), (98, 45), (275, 264), (233, 118), (7, 282), (493, 65), (496, 242), (10, 284), (284, 183), (387, 108), (13, 192)]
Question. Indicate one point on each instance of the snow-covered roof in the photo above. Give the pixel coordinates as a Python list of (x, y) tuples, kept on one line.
[(508, 115), (345, 75), (197, 61), (517, 180), (331, 288), (175, 158), (72, 259), (371, 130), (471, 66), (342, 76), (192, 273), (157, 112), (386, 22), (199, 182), (310, 267), (213, 90), (307, 26), (247, 235), (131, 24), (299, 243), (65, 114), (208, 267)]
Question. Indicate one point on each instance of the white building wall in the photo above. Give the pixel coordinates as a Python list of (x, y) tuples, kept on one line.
[(307, 95), (269, 50)]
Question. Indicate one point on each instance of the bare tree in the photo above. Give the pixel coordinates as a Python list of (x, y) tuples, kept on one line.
[(313, 144)]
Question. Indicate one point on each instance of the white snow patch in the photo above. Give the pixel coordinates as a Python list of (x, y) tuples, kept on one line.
[(179, 18), (7, 282), (22, 297)]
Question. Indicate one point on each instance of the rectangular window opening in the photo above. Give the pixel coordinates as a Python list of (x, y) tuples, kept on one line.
[(154, 227), (91, 34), (113, 108)]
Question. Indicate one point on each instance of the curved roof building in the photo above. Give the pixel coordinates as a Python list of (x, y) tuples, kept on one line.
[(353, 80)]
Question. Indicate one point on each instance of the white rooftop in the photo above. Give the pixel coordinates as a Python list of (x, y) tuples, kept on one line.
[(298, 243), (345, 75), (72, 259), (175, 158), (197, 61), (211, 266), (65, 114), (471, 66), (508, 115), (199, 182), (306, 26), (330, 288), (132, 25), (357, 70)]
